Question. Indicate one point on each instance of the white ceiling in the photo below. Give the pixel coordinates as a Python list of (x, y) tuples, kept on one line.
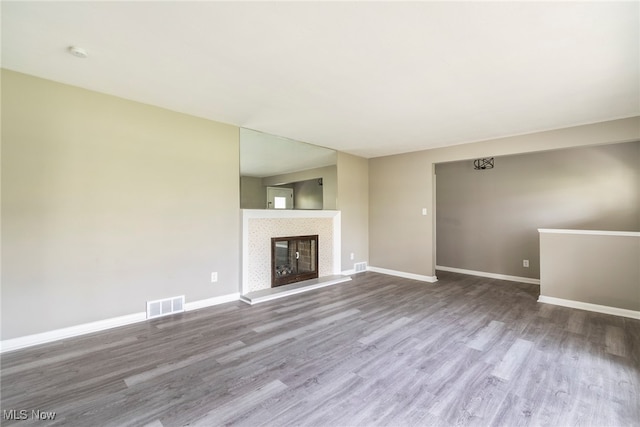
[(367, 78)]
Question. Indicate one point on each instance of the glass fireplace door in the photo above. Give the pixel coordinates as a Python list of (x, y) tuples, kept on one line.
[(293, 259)]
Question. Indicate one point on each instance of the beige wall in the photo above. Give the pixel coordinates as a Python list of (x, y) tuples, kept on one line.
[(596, 269), (108, 203), (399, 235), (487, 220), (400, 238), (353, 202)]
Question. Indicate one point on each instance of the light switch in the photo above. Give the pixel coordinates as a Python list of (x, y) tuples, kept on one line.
[(424, 211)]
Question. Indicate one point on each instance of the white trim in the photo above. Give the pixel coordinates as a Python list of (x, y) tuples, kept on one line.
[(270, 294), (592, 232), (288, 213), (420, 277), (71, 331), (100, 325), (529, 280), (337, 242), (209, 302), (348, 272), (615, 311)]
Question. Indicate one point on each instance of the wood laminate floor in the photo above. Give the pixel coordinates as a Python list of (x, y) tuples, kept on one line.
[(376, 351)]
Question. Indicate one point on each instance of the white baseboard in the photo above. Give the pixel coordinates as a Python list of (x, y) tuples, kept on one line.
[(348, 272), (490, 275), (420, 277), (209, 302), (100, 325), (71, 331), (605, 309)]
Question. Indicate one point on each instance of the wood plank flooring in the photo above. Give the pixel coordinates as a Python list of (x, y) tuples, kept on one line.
[(376, 351)]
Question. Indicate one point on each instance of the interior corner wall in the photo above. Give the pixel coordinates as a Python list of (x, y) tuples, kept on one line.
[(488, 220), (400, 238), (109, 203), (353, 203)]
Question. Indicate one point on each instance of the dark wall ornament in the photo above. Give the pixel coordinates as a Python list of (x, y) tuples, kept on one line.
[(482, 164)]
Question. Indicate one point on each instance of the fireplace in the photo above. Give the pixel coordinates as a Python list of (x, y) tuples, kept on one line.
[(260, 225), (293, 259)]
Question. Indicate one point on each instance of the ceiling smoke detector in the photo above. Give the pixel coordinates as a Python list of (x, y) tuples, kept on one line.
[(78, 52)]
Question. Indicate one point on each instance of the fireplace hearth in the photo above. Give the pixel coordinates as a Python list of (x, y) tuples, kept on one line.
[(293, 259)]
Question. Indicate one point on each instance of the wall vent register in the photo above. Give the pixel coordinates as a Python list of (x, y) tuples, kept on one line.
[(360, 267), (164, 307)]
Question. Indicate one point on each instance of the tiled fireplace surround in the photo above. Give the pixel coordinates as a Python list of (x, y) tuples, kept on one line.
[(259, 226)]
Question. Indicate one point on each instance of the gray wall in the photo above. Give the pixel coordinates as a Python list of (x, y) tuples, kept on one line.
[(329, 182), (252, 194), (488, 220), (400, 238), (596, 269), (399, 235), (308, 194), (353, 203), (108, 203)]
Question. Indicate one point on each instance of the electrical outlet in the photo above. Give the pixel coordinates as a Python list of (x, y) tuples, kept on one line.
[(525, 263), (352, 256), (214, 277)]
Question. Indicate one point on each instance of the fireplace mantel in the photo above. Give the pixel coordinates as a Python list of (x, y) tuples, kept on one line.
[(260, 225)]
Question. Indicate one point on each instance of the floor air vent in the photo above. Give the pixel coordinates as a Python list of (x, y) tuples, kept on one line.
[(163, 307), (360, 267)]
